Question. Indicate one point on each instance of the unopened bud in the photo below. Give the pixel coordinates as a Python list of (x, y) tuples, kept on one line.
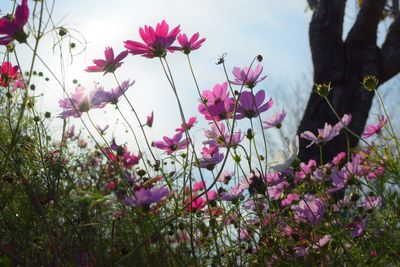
[(370, 83)]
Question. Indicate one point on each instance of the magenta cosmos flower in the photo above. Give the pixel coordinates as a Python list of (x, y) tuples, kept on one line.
[(250, 106), (217, 104), (157, 42), (191, 122), (375, 128), (220, 135), (10, 75), (275, 120), (170, 145), (146, 197), (13, 27), (309, 209), (188, 45), (150, 119), (80, 102), (211, 156), (109, 64), (247, 76)]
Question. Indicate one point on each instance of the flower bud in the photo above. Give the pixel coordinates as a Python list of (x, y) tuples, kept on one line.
[(370, 83), (323, 89)]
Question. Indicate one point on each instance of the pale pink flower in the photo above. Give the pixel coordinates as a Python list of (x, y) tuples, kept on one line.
[(247, 76), (275, 120), (324, 135), (344, 122)]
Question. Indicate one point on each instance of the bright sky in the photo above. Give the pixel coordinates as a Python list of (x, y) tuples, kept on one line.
[(276, 29)]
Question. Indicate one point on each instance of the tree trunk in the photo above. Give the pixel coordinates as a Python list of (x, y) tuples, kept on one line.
[(345, 63)]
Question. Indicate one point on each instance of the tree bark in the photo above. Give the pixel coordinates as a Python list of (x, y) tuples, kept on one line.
[(345, 63)]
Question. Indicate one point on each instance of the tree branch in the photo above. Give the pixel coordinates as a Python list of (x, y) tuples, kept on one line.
[(391, 51), (365, 28), (326, 42)]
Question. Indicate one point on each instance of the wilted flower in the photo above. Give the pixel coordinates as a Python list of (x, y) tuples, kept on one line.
[(247, 76), (150, 119), (13, 27), (157, 42), (102, 129), (250, 106), (189, 45), (109, 64)]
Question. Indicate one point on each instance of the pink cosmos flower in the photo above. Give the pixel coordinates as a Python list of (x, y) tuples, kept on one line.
[(112, 96), (212, 195), (219, 134), (339, 158), (70, 133), (217, 104), (10, 75), (199, 186), (109, 64), (147, 196), (324, 135), (225, 176), (250, 106), (290, 198), (234, 193), (13, 27), (375, 128), (150, 119), (211, 156), (371, 202), (157, 42), (192, 121), (275, 120), (358, 227), (127, 159), (189, 45), (170, 145), (195, 204), (310, 209), (305, 170), (80, 102), (344, 122), (248, 77)]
